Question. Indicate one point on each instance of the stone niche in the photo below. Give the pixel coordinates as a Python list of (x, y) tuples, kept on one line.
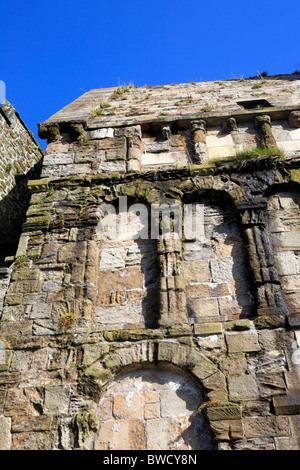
[(152, 409), (283, 225), (127, 270), (215, 269)]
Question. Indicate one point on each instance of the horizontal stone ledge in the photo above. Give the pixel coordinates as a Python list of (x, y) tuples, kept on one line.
[(207, 329), (238, 325), (139, 334), (133, 334), (171, 173), (287, 405), (182, 121), (36, 186)]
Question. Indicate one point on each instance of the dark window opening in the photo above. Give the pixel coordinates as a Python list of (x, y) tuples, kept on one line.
[(7, 253), (254, 104)]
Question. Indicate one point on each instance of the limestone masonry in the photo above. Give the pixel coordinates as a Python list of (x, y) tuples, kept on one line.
[(116, 336)]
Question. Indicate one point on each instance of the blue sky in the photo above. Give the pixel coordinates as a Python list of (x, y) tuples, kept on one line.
[(52, 52)]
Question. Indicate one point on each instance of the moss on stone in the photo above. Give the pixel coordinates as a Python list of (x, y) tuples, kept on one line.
[(295, 176), (132, 335)]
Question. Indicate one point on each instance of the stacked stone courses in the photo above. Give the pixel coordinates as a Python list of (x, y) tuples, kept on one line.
[(20, 160), (111, 341), (19, 152)]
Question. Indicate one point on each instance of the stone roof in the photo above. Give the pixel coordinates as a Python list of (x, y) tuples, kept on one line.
[(131, 104)]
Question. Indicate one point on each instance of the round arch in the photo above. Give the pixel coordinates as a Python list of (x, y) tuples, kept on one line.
[(153, 361), (153, 407)]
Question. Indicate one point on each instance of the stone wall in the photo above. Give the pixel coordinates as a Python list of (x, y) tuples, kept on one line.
[(20, 157), (153, 408), (19, 154), (135, 148), (283, 226), (116, 336)]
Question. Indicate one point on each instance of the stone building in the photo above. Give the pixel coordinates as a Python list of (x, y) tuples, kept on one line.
[(21, 158), (154, 299)]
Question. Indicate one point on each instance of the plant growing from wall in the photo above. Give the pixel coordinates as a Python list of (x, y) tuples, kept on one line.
[(66, 321), (207, 107), (250, 154), (24, 260), (208, 404), (8, 168)]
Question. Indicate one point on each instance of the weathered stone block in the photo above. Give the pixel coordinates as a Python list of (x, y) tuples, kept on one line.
[(152, 410), (242, 342), (33, 440), (101, 133), (272, 340), (205, 329), (214, 342), (58, 159), (31, 423), (267, 426), (172, 351), (242, 388), (269, 321), (270, 385), (200, 366), (125, 279), (57, 400), (128, 406), (93, 352), (174, 406), (224, 412), (286, 443), (17, 328), (124, 434), (215, 381), (5, 433), (25, 286), (287, 405), (207, 290), (14, 299), (202, 308), (237, 325), (196, 271), (227, 430)]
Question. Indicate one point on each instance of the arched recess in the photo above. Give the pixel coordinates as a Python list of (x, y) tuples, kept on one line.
[(118, 361), (128, 269), (283, 226), (152, 408), (215, 264)]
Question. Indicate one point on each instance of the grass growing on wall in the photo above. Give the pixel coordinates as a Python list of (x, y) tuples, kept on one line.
[(251, 153)]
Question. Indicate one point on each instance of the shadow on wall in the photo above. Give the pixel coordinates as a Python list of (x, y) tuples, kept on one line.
[(283, 226), (128, 270), (150, 270), (13, 208), (216, 269)]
